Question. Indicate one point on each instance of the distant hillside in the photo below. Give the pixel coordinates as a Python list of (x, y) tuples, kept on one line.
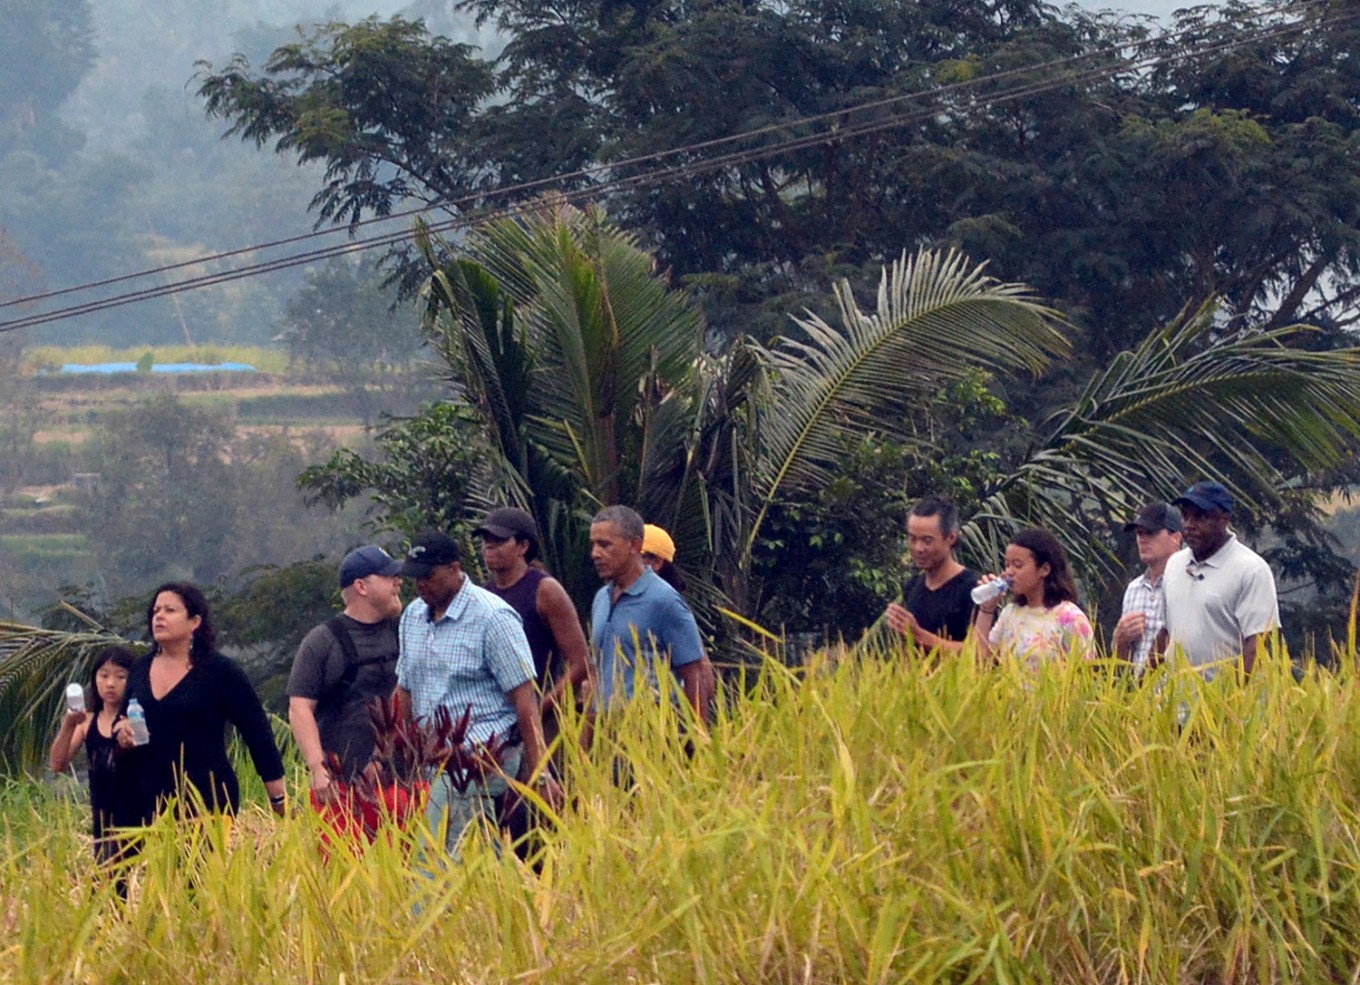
[(130, 175)]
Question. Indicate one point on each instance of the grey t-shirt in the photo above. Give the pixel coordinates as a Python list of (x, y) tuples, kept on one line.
[(342, 712)]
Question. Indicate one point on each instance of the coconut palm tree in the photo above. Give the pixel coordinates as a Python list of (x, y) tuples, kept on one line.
[(938, 318), (580, 362), (1253, 409)]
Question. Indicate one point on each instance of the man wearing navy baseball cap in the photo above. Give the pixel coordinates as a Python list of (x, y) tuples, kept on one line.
[(1220, 594), (341, 665)]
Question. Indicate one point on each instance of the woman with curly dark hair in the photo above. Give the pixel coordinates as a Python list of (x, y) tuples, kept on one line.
[(188, 693)]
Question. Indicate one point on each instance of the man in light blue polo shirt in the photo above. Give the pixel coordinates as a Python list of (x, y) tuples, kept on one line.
[(638, 621), (463, 648)]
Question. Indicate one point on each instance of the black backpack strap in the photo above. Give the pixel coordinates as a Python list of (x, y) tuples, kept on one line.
[(340, 630), (337, 690)]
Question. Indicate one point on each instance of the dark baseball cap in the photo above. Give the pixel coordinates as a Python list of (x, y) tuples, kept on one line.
[(1157, 516), (429, 551), (364, 561), (508, 522), (1207, 496)]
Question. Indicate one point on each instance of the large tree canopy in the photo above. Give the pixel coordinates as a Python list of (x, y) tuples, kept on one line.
[(1121, 181)]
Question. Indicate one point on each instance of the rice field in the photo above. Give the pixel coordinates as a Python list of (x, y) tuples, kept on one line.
[(866, 819)]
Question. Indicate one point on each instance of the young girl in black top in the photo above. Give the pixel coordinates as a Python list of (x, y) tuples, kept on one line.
[(114, 800)]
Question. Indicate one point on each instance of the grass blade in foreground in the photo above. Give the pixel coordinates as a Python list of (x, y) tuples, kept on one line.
[(863, 822)]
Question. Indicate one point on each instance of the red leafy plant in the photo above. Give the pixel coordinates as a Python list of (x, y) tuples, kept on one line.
[(406, 752), (405, 755)]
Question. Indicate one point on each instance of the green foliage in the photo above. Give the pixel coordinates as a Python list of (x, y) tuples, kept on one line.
[(266, 616), (341, 321), (873, 821), (422, 477), (408, 99), (840, 547), (182, 494), (938, 321), (163, 503)]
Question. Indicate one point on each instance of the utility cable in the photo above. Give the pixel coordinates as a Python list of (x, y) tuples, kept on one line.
[(594, 170), (663, 175), (598, 169)]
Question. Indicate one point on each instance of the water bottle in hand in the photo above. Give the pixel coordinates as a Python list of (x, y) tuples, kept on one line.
[(985, 591), (75, 697), (137, 719)]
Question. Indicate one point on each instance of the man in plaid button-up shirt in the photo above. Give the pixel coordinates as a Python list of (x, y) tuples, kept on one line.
[(461, 648), (1158, 528)]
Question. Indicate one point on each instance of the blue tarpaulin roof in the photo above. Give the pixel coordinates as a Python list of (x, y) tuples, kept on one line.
[(158, 368)]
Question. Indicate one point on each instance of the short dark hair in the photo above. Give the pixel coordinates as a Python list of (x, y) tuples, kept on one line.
[(204, 643), (116, 654), (625, 518), (1058, 586), (941, 507)]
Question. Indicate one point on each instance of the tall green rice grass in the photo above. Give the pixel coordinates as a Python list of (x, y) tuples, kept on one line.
[(868, 820)]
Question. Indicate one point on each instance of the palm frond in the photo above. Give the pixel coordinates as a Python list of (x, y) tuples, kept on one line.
[(35, 667), (578, 357), (1182, 406), (938, 319)]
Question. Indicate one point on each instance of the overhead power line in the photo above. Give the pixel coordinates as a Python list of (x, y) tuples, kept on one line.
[(608, 179)]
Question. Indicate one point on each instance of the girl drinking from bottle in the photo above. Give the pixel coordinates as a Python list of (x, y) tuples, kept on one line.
[(1043, 622), (114, 801)]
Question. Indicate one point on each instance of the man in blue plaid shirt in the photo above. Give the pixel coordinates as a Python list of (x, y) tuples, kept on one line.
[(1158, 527), (463, 648)]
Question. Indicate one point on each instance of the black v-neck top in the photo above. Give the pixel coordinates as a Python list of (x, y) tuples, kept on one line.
[(188, 732)]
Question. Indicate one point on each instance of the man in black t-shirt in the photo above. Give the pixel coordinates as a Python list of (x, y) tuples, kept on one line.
[(937, 609)]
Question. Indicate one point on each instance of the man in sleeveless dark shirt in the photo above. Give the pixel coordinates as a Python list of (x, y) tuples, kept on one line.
[(556, 639), (937, 609)]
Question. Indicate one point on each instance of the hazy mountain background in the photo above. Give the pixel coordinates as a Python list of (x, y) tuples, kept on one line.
[(126, 173)]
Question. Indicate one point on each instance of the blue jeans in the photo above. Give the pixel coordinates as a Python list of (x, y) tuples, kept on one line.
[(452, 813)]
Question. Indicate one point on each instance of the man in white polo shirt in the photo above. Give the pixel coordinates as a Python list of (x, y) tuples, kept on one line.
[(1220, 594)]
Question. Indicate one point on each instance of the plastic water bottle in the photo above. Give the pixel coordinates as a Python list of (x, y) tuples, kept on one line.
[(988, 590), (138, 719), (75, 697)]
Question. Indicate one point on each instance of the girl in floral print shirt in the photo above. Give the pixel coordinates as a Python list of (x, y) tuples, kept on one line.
[(1044, 622)]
